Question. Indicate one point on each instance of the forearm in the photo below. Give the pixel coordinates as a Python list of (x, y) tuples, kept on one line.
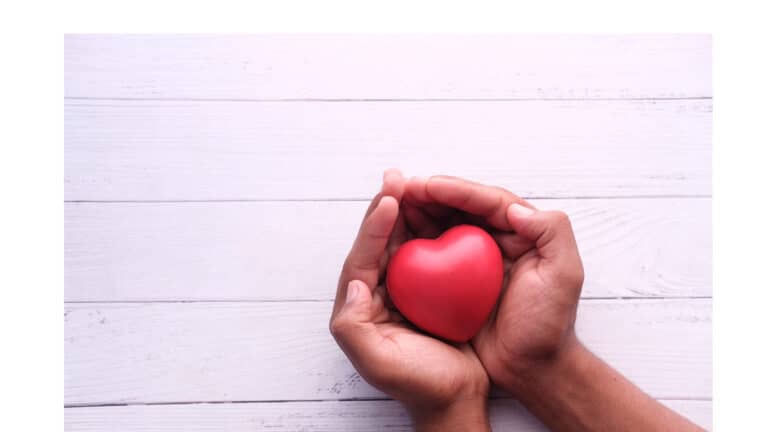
[(463, 415), (579, 392)]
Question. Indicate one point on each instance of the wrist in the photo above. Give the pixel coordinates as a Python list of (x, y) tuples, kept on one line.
[(522, 377), (465, 414)]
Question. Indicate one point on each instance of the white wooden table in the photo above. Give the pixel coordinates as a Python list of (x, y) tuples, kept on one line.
[(213, 185)]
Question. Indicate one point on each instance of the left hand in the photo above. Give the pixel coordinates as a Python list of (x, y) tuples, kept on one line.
[(442, 385)]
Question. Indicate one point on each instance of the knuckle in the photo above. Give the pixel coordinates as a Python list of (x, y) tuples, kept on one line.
[(561, 218), (347, 266), (560, 221), (356, 263), (338, 326), (574, 276), (505, 194)]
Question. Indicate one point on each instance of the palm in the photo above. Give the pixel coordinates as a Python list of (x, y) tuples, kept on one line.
[(432, 368), (530, 318)]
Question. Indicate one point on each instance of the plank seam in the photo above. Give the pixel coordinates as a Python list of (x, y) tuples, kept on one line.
[(259, 100), (587, 299), (277, 401), (542, 198)]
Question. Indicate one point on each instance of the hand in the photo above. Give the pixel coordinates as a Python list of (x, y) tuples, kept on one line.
[(443, 386), (533, 323), (528, 346)]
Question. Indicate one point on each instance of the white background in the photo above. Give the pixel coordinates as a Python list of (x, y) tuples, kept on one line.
[(33, 88)]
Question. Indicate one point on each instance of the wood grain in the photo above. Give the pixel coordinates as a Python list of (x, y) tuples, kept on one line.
[(132, 150), (294, 250), (386, 66), (250, 121), (363, 416), (277, 351)]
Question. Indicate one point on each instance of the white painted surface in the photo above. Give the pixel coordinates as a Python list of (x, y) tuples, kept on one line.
[(331, 416), (260, 250), (217, 118), (187, 352), (401, 67), (118, 150)]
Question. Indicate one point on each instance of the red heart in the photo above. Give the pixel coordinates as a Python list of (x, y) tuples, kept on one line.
[(447, 286)]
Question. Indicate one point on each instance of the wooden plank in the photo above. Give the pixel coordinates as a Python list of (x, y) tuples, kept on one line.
[(386, 66), (330, 150), (506, 415), (294, 250), (277, 351)]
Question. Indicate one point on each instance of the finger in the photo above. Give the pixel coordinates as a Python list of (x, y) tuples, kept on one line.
[(553, 235), (380, 312), (513, 245), (488, 202), (476, 220), (373, 236), (420, 223), (393, 184), (416, 194), (467, 350), (399, 233), (387, 312), (380, 296), (369, 248), (353, 327)]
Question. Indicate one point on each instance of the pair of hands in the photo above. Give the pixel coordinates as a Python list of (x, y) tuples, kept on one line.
[(531, 326)]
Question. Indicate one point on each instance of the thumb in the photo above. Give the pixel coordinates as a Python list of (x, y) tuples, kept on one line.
[(550, 230), (357, 305), (353, 327)]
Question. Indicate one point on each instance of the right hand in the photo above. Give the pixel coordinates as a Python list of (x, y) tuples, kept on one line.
[(534, 320)]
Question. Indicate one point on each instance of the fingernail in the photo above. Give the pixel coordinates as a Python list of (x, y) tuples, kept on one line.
[(352, 290), (387, 198), (520, 211)]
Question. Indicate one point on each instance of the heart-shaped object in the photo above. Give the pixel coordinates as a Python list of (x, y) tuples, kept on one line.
[(447, 286)]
